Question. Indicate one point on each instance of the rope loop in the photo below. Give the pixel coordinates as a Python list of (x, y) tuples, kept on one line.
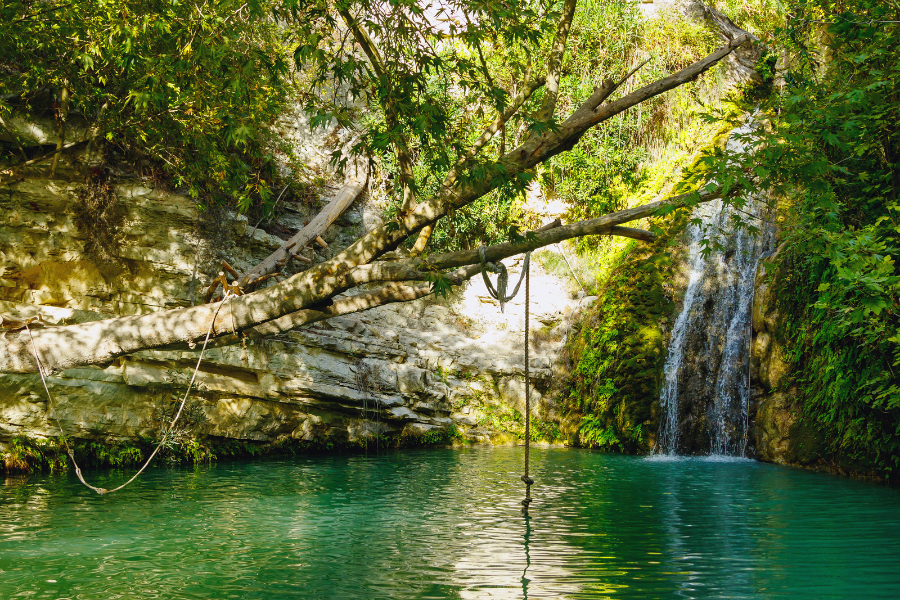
[(499, 293)]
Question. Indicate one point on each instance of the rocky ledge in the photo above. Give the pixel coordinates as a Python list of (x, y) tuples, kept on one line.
[(397, 370)]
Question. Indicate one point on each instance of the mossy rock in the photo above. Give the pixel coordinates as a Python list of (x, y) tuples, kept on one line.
[(807, 443)]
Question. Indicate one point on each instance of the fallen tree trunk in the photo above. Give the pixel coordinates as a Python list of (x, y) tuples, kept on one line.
[(290, 304), (311, 291), (353, 186)]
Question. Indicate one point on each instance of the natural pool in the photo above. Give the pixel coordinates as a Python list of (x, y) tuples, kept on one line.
[(449, 524)]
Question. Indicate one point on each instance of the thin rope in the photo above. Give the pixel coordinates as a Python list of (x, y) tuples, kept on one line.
[(500, 295), (71, 452), (528, 480)]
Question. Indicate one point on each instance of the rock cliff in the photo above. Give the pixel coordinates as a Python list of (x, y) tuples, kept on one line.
[(777, 433), (396, 370)]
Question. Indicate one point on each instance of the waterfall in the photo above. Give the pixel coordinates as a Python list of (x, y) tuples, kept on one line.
[(705, 394)]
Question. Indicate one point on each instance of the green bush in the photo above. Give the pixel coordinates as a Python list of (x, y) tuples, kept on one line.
[(161, 83), (830, 151)]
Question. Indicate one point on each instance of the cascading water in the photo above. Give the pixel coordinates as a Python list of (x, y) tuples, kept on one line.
[(705, 393)]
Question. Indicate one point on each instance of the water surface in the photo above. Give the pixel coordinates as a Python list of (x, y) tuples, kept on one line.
[(449, 524)]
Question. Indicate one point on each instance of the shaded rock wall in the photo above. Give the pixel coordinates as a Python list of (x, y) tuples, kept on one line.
[(774, 407), (401, 369)]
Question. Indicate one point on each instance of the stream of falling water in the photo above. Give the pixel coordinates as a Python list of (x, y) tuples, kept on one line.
[(716, 314)]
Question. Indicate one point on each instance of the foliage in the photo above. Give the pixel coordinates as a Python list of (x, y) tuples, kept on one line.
[(26, 455), (505, 419), (611, 162), (438, 77), (443, 81), (763, 18), (192, 87), (618, 354), (115, 454), (831, 148)]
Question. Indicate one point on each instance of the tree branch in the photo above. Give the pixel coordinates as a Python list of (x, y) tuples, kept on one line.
[(417, 268), (101, 341), (352, 187), (13, 169), (391, 114), (521, 98), (42, 12), (554, 61), (532, 152), (486, 136), (394, 291)]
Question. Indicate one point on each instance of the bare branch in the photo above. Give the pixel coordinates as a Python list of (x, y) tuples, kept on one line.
[(534, 151), (44, 157), (632, 72), (61, 131), (484, 67), (42, 12), (422, 240), (387, 294), (395, 291)]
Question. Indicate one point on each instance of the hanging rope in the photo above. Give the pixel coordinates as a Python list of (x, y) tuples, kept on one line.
[(525, 478), (499, 268), (71, 452), (500, 295)]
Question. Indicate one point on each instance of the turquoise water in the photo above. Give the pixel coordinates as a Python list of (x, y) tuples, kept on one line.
[(448, 524)]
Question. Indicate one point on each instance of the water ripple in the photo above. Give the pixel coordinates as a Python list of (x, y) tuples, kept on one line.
[(449, 524)]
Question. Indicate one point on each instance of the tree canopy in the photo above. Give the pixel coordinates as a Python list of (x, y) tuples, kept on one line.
[(431, 99), (189, 87)]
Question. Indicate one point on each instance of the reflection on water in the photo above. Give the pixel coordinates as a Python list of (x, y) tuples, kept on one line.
[(449, 524)]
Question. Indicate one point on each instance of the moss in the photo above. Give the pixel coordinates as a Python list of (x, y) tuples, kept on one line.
[(32, 455), (618, 355)]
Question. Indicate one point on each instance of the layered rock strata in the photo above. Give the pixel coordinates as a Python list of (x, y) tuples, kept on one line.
[(400, 369)]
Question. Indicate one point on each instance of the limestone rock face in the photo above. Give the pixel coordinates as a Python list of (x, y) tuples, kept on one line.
[(773, 409), (404, 368), (774, 418)]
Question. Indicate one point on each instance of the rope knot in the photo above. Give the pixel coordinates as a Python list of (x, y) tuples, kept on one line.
[(499, 294)]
